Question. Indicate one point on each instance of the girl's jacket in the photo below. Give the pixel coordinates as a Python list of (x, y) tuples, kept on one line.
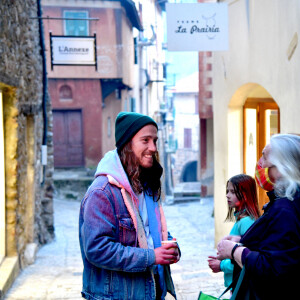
[(239, 228), (117, 262)]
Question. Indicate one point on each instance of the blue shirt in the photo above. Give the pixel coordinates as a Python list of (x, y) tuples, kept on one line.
[(239, 228)]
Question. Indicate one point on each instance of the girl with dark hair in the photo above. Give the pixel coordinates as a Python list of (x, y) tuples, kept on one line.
[(244, 188), (242, 202)]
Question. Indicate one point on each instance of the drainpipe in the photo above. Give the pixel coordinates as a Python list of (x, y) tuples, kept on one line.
[(45, 88)]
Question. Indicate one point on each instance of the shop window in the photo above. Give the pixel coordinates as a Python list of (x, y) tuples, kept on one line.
[(76, 27), (261, 121)]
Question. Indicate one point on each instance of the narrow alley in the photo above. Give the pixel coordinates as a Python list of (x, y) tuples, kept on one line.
[(56, 273)]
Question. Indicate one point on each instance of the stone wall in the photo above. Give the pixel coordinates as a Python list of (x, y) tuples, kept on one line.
[(29, 184)]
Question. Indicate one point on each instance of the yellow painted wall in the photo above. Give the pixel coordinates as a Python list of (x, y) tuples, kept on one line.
[(2, 185), (11, 139), (263, 61)]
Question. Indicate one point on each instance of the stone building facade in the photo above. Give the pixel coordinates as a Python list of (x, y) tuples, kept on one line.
[(186, 129), (26, 199), (86, 98)]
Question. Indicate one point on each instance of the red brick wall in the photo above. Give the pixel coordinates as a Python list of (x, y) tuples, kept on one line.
[(87, 97), (205, 85)]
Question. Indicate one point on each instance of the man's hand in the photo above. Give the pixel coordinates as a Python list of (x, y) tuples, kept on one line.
[(214, 264), (166, 254)]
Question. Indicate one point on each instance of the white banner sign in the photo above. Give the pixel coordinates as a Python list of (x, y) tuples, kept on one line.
[(197, 26), (73, 50)]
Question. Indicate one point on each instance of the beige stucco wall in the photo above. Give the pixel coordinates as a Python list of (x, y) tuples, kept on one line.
[(112, 107), (127, 52), (154, 55), (258, 64)]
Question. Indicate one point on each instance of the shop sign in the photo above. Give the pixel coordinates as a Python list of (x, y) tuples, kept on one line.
[(66, 50), (197, 26)]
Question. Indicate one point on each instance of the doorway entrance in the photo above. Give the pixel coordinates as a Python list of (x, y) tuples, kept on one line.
[(261, 118), (189, 172), (68, 138)]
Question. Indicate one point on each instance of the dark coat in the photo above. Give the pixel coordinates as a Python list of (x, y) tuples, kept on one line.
[(273, 264)]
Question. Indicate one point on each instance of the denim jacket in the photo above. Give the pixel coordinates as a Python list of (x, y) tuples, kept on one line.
[(115, 266)]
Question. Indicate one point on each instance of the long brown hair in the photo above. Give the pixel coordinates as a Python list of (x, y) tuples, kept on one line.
[(141, 179), (244, 187)]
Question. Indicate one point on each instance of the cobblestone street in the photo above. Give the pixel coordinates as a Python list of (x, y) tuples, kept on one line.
[(56, 273), (193, 226)]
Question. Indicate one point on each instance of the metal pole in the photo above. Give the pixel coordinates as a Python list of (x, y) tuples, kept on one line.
[(57, 18)]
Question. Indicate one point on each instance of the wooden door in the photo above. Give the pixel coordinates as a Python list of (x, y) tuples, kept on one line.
[(261, 121), (67, 138)]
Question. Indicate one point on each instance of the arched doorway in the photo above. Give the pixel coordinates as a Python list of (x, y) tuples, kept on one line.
[(253, 117), (189, 172)]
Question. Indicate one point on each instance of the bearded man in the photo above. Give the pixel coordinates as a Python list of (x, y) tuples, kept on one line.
[(121, 222)]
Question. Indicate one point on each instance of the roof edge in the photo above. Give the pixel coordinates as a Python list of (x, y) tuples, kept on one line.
[(132, 14)]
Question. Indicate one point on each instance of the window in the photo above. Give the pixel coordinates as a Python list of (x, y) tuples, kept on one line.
[(187, 138), (132, 104), (65, 93), (196, 104), (76, 27), (135, 51)]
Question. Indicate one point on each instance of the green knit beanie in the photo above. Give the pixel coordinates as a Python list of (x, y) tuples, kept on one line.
[(128, 124)]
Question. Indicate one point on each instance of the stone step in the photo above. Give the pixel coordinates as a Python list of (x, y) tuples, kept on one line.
[(71, 184), (187, 189)]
